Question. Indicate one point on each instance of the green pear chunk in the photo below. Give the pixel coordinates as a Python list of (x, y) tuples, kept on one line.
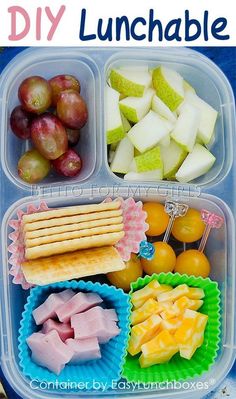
[(135, 108), (150, 160), (123, 156), (165, 142), (196, 164), (153, 175), (161, 108), (188, 87), (127, 126), (169, 86), (129, 82), (207, 118), (185, 130), (172, 158), (147, 133), (113, 122)]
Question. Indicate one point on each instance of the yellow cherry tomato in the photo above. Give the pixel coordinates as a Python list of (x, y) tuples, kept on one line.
[(157, 218), (164, 259), (190, 227), (193, 262), (123, 278)]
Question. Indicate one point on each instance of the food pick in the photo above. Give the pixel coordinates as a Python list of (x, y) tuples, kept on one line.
[(174, 210), (212, 221)]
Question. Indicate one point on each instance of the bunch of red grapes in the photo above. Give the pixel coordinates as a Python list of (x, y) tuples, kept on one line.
[(51, 114)]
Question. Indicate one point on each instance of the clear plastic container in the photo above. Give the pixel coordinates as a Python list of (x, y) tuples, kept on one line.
[(221, 252), (91, 66)]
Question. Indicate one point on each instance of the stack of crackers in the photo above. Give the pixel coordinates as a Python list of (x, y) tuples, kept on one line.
[(72, 242)]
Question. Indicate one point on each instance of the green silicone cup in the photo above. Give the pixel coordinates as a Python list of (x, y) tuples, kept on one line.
[(178, 368)]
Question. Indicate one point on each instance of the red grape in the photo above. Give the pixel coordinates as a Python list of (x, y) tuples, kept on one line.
[(32, 167), (35, 94), (49, 136), (20, 122), (72, 109), (73, 136), (69, 164), (61, 83)]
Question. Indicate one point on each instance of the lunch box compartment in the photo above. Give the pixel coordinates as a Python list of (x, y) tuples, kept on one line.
[(48, 63), (221, 252)]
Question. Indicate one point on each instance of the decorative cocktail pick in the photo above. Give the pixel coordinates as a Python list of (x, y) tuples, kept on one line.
[(174, 210), (212, 221)]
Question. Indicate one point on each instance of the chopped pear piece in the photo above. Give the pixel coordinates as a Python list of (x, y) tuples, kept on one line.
[(114, 127), (123, 156), (129, 82), (185, 130), (148, 132), (153, 175), (196, 164), (207, 118), (172, 158), (165, 142), (150, 160), (161, 108), (169, 86), (127, 126), (135, 108), (188, 87), (111, 155)]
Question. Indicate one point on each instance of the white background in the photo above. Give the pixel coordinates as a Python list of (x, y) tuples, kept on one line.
[(67, 33)]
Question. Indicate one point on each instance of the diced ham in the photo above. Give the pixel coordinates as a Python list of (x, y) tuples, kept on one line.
[(48, 309), (49, 351), (79, 303), (100, 327), (64, 329), (84, 350)]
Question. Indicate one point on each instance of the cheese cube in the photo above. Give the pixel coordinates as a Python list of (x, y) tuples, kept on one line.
[(159, 350), (175, 294), (138, 298), (171, 325), (187, 328), (142, 333), (188, 348), (138, 315), (195, 293), (177, 308)]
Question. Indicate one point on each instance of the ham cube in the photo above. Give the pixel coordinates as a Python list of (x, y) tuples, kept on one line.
[(111, 314), (79, 303), (84, 350), (49, 351), (103, 329), (64, 329), (48, 309), (95, 313)]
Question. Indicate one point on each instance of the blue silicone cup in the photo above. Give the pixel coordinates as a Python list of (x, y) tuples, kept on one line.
[(103, 371)]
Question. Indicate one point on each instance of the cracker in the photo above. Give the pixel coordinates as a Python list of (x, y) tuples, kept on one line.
[(71, 220), (73, 234), (73, 227), (73, 245), (70, 211), (73, 265)]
